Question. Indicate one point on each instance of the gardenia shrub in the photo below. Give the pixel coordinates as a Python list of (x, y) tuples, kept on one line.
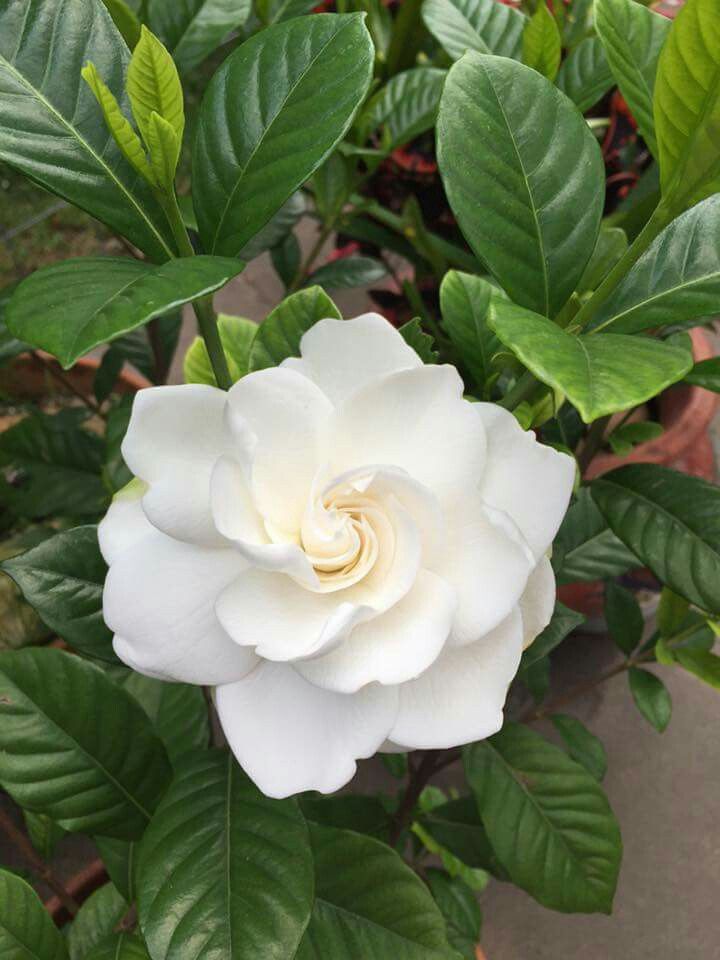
[(341, 537)]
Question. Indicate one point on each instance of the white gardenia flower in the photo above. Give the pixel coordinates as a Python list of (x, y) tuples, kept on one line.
[(349, 551)]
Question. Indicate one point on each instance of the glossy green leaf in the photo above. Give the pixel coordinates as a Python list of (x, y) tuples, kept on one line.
[(48, 111), (27, 931), (676, 279), (421, 342), (456, 825), (687, 106), (633, 36), (590, 550), (563, 622), (275, 11), (628, 435), (536, 678), (348, 272), (705, 374), (72, 306), (598, 374), (279, 335), (585, 74), (651, 697), (702, 663), (125, 19), (460, 909), (547, 819), (483, 25), (464, 302), (153, 86), (406, 106), (369, 904), (332, 185), (236, 336), (301, 83), (541, 43), (119, 946), (44, 833), (192, 29), (525, 185), (178, 712), (611, 244), (75, 746), (118, 857), (62, 578), (671, 522), (584, 747), (55, 466), (624, 617), (277, 228), (95, 920), (350, 811), (223, 871), (286, 259)]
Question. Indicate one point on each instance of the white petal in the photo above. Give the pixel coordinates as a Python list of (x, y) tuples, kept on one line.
[(290, 736), (174, 437), (288, 416), (538, 601), (527, 480), (415, 420), (280, 618), (392, 648), (159, 601), (341, 356), (488, 564), (461, 697), (125, 523)]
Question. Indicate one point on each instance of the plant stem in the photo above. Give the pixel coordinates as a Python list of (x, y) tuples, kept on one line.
[(418, 780), (519, 392), (305, 269), (592, 443), (38, 866)]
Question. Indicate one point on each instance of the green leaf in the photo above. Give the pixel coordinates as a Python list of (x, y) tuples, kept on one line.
[(421, 342), (590, 550), (286, 259), (27, 931), (611, 245), (223, 871), (541, 43), (368, 904), (705, 374), (585, 74), (118, 857), (192, 30), (301, 83), (702, 663), (405, 107), (672, 610), (475, 879), (598, 374), (276, 229), (671, 522), (44, 833), (95, 920), (547, 819), (633, 36), (164, 149), (464, 302), (279, 335), (56, 466), (94, 299), (456, 825), (483, 25), (530, 201), (236, 336), (460, 909), (651, 697), (624, 617), (564, 621), (62, 578), (75, 746), (364, 814), (117, 123), (333, 184), (125, 19), (178, 712), (348, 272), (153, 86), (584, 747), (48, 111), (628, 435), (119, 946), (275, 11), (536, 678), (687, 106), (676, 279)]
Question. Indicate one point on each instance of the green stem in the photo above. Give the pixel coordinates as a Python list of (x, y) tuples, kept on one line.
[(519, 392), (593, 442)]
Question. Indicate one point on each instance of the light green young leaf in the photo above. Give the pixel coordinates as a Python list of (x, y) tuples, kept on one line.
[(153, 84), (279, 335), (541, 44), (236, 336), (598, 374), (633, 36), (125, 19), (27, 931), (483, 25), (651, 697), (585, 74), (164, 149), (191, 30), (687, 106)]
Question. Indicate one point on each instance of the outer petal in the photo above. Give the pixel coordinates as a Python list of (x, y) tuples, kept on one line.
[(174, 437), (416, 420), (125, 523), (528, 480), (341, 356), (290, 736), (288, 416), (392, 648), (159, 601), (488, 563), (538, 601), (461, 697)]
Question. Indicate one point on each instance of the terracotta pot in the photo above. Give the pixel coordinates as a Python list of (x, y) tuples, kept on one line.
[(80, 886), (479, 953), (25, 378)]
